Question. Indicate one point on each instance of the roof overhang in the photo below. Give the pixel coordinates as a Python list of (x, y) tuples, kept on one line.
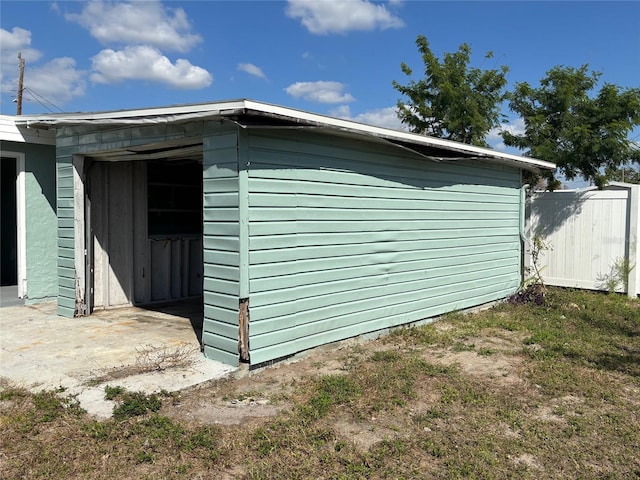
[(276, 116)]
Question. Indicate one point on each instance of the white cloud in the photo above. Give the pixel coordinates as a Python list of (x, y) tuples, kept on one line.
[(141, 22), (322, 92), (251, 69), (147, 63), (322, 17), (382, 117), (515, 127), (69, 82), (14, 41), (38, 85)]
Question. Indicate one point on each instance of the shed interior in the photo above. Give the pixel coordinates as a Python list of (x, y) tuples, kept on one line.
[(144, 221)]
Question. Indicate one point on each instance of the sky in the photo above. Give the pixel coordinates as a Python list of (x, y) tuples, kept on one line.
[(334, 57)]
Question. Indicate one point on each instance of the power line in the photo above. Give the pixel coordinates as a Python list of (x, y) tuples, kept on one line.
[(42, 100)]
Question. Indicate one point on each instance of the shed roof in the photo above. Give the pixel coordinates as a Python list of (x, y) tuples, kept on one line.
[(10, 132), (254, 114)]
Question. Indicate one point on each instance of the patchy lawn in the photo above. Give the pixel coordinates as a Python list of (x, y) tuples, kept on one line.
[(517, 391)]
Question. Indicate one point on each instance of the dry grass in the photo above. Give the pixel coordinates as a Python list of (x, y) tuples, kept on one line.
[(518, 391)]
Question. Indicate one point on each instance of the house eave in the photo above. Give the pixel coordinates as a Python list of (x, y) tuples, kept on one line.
[(244, 107)]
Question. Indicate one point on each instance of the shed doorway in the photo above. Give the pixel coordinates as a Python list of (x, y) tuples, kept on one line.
[(145, 232)]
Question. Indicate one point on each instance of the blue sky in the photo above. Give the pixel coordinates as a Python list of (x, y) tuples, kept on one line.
[(335, 57)]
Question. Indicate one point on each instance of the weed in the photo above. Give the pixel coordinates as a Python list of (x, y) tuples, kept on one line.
[(486, 351), (111, 393), (330, 390), (132, 404), (97, 430), (152, 358), (533, 290), (618, 277), (385, 356)]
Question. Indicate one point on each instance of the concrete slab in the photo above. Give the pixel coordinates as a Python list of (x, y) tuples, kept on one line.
[(138, 349), (9, 296)]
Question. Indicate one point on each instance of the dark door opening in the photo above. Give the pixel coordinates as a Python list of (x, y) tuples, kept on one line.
[(8, 223)]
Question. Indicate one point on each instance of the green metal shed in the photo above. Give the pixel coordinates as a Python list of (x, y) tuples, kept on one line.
[(297, 229)]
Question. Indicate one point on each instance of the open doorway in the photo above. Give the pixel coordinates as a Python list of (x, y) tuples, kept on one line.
[(12, 230), (145, 220), (8, 223)]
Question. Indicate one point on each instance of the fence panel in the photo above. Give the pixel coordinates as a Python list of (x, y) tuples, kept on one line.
[(590, 237)]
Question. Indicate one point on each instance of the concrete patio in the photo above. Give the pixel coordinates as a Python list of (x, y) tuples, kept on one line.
[(139, 349)]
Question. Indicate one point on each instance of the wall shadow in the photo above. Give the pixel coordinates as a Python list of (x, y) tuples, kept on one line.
[(553, 209), (189, 308)]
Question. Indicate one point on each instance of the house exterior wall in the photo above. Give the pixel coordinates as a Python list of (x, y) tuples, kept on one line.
[(347, 237), (40, 218)]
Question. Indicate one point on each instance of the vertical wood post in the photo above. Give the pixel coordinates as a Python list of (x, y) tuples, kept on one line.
[(243, 330)]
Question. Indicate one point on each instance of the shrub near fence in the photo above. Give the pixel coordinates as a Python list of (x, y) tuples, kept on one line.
[(591, 235)]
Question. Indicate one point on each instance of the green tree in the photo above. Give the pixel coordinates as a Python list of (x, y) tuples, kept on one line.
[(584, 135), (452, 101), (628, 173)]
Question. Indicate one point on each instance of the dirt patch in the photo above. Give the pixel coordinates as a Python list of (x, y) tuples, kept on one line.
[(258, 395), (491, 356), (365, 434), (528, 460), (497, 367), (233, 413)]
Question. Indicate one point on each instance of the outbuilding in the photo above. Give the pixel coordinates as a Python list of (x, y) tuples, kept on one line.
[(295, 229)]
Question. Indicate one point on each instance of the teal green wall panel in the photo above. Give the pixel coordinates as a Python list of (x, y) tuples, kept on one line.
[(371, 322), (317, 251), (382, 291), (221, 256), (218, 228), (347, 237), (221, 242), (220, 316), (224, 287), (228, 331), (221, 355), (64, 200)]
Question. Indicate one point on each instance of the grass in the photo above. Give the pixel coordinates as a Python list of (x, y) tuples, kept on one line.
[(404, 406)]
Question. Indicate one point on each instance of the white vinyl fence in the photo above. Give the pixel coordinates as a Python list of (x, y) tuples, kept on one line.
[(591, 237)]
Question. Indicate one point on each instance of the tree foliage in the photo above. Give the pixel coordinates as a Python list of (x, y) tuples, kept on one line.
[(628, 173), (453, 101), (584, 135)]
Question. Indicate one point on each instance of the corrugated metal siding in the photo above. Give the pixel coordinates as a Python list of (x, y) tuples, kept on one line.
[(221, 243), (348, 238), (66, 251)]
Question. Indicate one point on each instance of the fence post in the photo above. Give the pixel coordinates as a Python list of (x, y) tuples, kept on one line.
[(633, 282)]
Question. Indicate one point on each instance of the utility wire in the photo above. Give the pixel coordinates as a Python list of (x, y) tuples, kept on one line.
[(42, 100)]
